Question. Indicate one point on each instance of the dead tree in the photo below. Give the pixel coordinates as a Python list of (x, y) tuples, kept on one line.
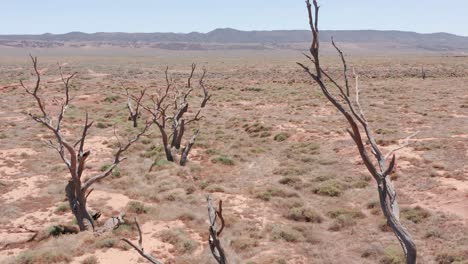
[(170, 113), (139, 248), (134, 114), (213, 240), (423, 73), (215, 245), (73, 153), (353, 113)]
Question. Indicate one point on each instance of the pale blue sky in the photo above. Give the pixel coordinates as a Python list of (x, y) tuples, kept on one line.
[(61, 16)]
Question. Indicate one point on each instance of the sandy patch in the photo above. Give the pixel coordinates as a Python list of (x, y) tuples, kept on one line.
[(9, 253), (112, 255), (25, 187), (9, 156), (96, 74), (13, 119), (97, 148), (14, 237), (115, 201), (42, 219)]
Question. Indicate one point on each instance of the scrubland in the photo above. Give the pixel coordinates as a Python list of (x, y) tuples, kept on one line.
[(271, 147)]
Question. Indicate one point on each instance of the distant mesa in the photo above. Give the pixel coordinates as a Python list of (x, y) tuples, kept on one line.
[(229, 38)]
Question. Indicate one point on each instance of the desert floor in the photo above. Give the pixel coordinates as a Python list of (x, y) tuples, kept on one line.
[(294, 189)]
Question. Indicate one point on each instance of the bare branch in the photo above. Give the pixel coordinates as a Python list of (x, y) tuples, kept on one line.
[(191, 75), (405, 144)]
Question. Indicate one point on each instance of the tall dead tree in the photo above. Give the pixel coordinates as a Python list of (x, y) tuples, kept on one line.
[(381, 165), (170, 112), (73, 153)]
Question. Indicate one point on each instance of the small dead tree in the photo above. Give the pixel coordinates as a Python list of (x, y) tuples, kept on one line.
[(213, 239), (170, 113), (73, 153), (215, 245), (352, 111), (139, 248), (134, 113)]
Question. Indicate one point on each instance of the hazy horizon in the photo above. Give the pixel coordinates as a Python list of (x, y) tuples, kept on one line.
[(149, 16), (251, 30)]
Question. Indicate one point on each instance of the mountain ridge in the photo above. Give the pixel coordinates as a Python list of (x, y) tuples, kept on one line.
[(439, 41)]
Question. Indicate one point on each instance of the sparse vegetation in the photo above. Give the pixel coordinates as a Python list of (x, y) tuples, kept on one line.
[(291, 180)]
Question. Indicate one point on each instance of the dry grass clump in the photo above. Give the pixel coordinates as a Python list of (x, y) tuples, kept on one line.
[(55, 250), (90, 260), (304, 214), (257, 130), (180, 239), (269, 193), (240, 244), (289, 170), (452, 257), (137, 207), (294, 182), (332, 188), (393, 255), (285, 233), (344, 217), (415, 215), (224, 160), (292, 233)]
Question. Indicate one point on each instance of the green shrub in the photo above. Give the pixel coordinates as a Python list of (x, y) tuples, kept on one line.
[(101, 125), (61, 208), (104, 167), (281, 137), (54, 230), (116, 172), (225, 160)]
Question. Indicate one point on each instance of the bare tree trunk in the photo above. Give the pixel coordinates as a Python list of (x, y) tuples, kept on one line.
[(135, 120), (186, 150), (78, 205)]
